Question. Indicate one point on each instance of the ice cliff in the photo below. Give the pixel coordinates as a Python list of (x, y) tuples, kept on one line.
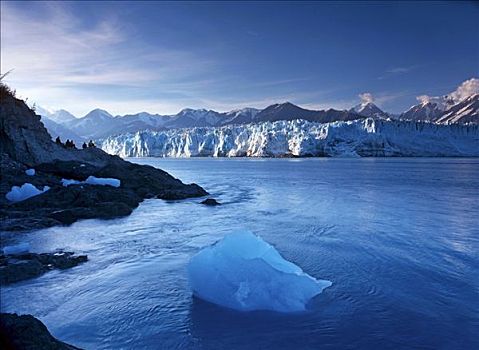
[(365, 137)]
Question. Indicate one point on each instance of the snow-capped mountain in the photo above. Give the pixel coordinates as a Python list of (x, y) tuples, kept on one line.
[(55, 129), (369, 109), (365, 137), (429, 108), (92, 125), (60, 116), (459, 106), (194, 117), (466, 111), (240, 116)]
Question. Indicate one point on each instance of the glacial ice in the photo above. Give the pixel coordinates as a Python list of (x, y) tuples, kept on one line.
[(92, 180), (68, 182), (26, 191), (245, 273), (366, 138), (103, 181), (16, 249), (30, 172)]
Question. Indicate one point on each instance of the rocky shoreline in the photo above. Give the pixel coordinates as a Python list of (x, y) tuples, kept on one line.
[(25, 144), (58, 178)]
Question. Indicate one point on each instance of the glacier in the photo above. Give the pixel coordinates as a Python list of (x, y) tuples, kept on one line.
[(245, 273), (370, 137)]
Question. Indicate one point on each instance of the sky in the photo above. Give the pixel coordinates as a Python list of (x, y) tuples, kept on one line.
[(161, 57)]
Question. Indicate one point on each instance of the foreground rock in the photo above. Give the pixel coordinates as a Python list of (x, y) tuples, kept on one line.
[(25, 144), (211, 202), (15, 268), (25, 332)]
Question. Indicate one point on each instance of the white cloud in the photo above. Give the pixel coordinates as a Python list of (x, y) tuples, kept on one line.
[(57, 60), (466, 89), (366, 97)]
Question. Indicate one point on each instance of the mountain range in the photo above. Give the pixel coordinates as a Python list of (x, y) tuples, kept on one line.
[(100, 124)]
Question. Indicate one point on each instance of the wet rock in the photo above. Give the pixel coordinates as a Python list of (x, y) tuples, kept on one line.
[(15, 268), (211, 202), (25, 332)]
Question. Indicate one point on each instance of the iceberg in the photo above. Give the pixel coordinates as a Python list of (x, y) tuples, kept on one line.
[(245, 273), (26, 191)]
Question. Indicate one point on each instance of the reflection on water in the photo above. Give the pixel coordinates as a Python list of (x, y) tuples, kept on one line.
[(397, 237)]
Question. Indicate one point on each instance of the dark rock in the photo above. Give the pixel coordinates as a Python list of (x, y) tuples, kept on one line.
[(211, 202), (15, 268), (25, 332)]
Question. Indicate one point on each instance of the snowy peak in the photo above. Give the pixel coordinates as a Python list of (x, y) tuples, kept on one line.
[(466, 111), (194, 117), (98, 114), (60, 116), (444, 109), (459, 106), (425, 111), (369, 109), (240, 116)]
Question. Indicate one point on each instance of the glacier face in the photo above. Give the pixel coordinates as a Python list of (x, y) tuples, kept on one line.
[(299, 138), (245, 273)]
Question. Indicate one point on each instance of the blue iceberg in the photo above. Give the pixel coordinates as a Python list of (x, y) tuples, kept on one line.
[(245, 273)]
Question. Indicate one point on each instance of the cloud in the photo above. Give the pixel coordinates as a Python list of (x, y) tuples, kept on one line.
[(463, 91), (397, 71), (366, 97), (466, 89), (56, 57)]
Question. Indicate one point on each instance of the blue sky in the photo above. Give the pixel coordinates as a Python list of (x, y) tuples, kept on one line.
[(161, 57)]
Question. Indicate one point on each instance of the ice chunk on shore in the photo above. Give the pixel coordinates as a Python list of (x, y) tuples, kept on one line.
[(16, 249), (245, 273), (92, 180), (27, 190), (105, 181), (68, 182), (30, 172)]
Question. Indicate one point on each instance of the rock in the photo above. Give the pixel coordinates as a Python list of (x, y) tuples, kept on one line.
[(25, 332), (15, 268), (25, 143), (211, 202)]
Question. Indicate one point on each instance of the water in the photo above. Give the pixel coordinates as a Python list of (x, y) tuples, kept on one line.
[(399, 239)]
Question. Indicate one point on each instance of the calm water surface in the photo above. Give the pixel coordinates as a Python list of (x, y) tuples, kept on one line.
[(399, 239)]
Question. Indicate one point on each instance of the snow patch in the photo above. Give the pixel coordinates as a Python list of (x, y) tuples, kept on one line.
[(30, 172), (245, 273), (26, 191)]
